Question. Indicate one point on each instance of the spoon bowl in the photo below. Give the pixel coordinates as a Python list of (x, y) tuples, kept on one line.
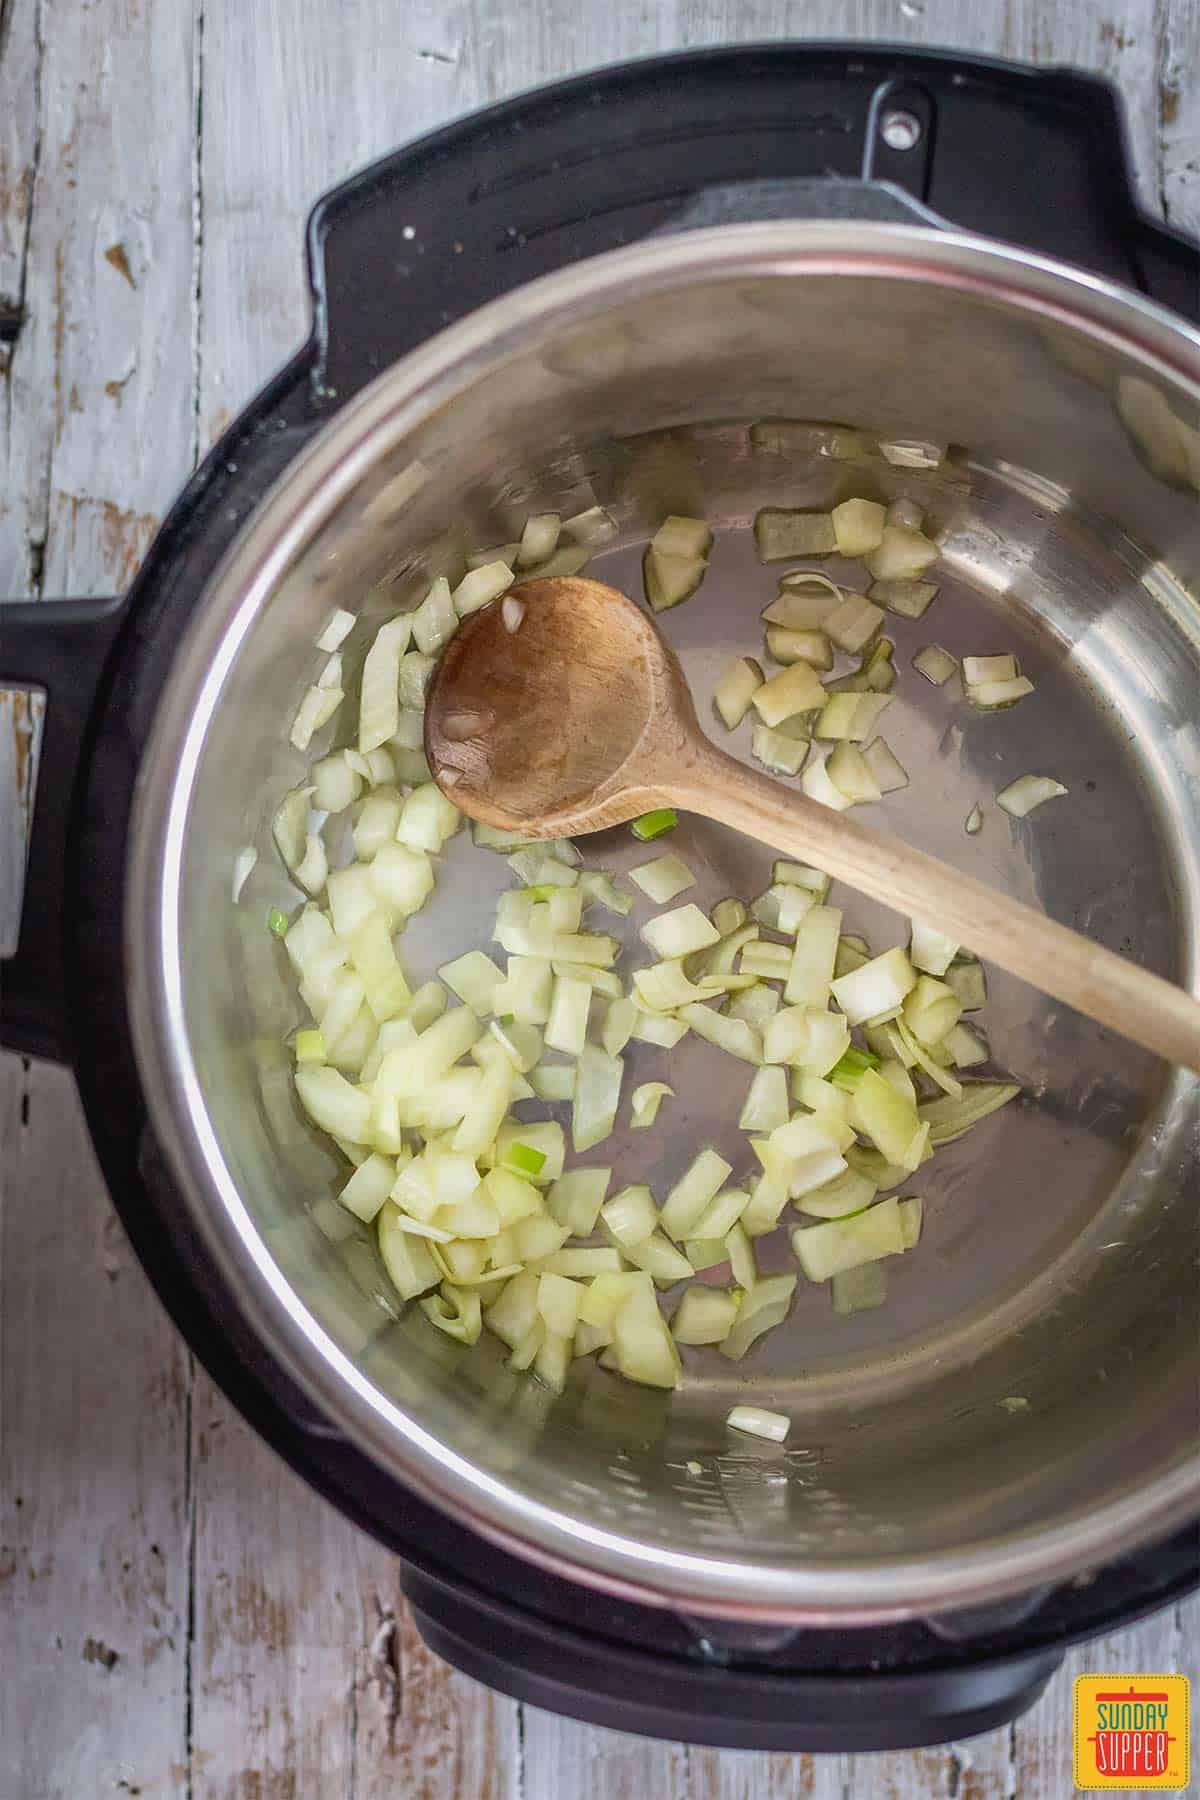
[(545, 720), (560, 710)]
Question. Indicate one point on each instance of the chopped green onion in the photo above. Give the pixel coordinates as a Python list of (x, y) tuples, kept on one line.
[(846, 1071), (653, 825), (523, 1159)]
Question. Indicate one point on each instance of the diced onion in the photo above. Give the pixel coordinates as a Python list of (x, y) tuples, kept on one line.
[(887, 772), (756, 1420), (979, 669), (480, 586), (663, 878), (679, 933), (511, 613), (858, 526), (735, 689), (935, 664), (243, 867), (910, 599), (840, 1244), (645, 1102), (538, 539), (903, 555), (434, 622), (783, 755), (670, 580), (930, 950), (704, 1316), (315, 710), (1021, 796), (854, 623), (781, 533), (765, 1306), (655, 824), (991, 696), (379, 706), (595, 526), (796, 690), (337, 628), (974, 822)]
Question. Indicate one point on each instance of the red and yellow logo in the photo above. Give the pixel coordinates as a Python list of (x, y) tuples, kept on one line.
[(1131, 1731)]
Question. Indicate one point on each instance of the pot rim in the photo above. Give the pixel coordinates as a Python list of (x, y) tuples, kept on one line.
[(866, 1590)]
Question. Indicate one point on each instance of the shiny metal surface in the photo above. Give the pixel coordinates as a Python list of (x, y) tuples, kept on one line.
[(1058, 1262)]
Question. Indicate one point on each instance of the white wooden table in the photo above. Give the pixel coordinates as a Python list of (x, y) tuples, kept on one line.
[(178, 1614)]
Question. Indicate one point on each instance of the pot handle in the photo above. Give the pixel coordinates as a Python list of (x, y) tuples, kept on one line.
[(52, 656)]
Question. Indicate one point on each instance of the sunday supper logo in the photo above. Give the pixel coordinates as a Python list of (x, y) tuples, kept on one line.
[(1132, 1732)]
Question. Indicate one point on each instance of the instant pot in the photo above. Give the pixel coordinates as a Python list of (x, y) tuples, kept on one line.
[(639, 289)]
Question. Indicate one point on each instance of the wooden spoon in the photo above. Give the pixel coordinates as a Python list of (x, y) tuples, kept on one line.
[(581, 718)]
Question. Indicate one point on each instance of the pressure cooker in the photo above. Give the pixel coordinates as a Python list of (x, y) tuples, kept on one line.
[(651, 289)]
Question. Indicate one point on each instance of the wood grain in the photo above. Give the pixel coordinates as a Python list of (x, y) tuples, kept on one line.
[(115, 119)]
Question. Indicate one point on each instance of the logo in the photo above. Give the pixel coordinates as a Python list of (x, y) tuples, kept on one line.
[(1131, 1731)]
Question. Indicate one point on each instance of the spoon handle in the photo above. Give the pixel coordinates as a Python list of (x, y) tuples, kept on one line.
[(1052, 958)]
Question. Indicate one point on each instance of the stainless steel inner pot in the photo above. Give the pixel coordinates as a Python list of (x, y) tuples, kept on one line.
[(1058, 1261)]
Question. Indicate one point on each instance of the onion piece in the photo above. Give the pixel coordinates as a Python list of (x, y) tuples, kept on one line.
[(921, 1057), (850, 773), (243, 867), (663, 878), (733, 1036), (575, 1199), (645, 1102), (796, 690), (910, 599), (566, 1029), (969, 982), (903, 555), (663, 987), (679, 536), (818, 786), (704, 1316), (692, 1193), (813, 958), (800, 875), (568, 559), (1021, 796), (407, 1259), (595, 526), (854, 623), (974, 822), (598, 886), (480, 586), (765, 1306), (858, 526), (756, 1420), (980, 669), (428, 819), (841, 1244), (887, 772), (337, 628), (935, 664), (474, 977), (379, 705), (597, 1095), (735, 689), (847, 1193), (679, 933), (630, 1218), (783, 755), (538, 540), (966, 1048), (766, 1104), (991, 696), (948, 1119), (512, 612), (781, 532), (643, 1348), (315, 710), (805, 600), (553, 1081), (931, 950), (787, 645), (913, 453), (656, 1029), (887, 1118), (289, 827), (670, 580)]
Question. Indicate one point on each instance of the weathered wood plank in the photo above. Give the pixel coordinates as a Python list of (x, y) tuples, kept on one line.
[(1179, 115), (741, 1775), (93, 1380), (93, 1575)]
